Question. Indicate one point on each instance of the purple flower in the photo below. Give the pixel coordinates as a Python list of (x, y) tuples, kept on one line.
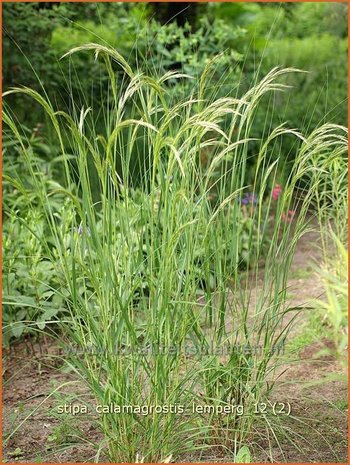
[(248, 198)]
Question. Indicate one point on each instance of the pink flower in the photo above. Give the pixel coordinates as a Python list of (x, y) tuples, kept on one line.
[(276, 191), (289, 216)]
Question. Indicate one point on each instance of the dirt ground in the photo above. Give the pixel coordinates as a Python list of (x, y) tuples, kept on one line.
[(312, 382)]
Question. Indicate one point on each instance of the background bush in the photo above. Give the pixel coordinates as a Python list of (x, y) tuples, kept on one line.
[(312, 37)]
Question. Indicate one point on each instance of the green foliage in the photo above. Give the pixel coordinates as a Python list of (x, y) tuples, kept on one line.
[(157, 51), (335, 306), (30, 280), (26, 50), (317, 44), (243, 455), (64, 433), (34, 63), (130, 265), (319, 94), (145, 202), (22, 23), (300, 20)]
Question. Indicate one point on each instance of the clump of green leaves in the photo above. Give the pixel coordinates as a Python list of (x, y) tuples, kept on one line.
[(335, 305)]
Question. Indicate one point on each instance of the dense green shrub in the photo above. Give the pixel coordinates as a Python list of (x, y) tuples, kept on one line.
[(320, 94), (153, 51), (30, 281), (27, 54)]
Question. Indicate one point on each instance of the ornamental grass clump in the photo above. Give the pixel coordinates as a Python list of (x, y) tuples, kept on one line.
[(152, 267)]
